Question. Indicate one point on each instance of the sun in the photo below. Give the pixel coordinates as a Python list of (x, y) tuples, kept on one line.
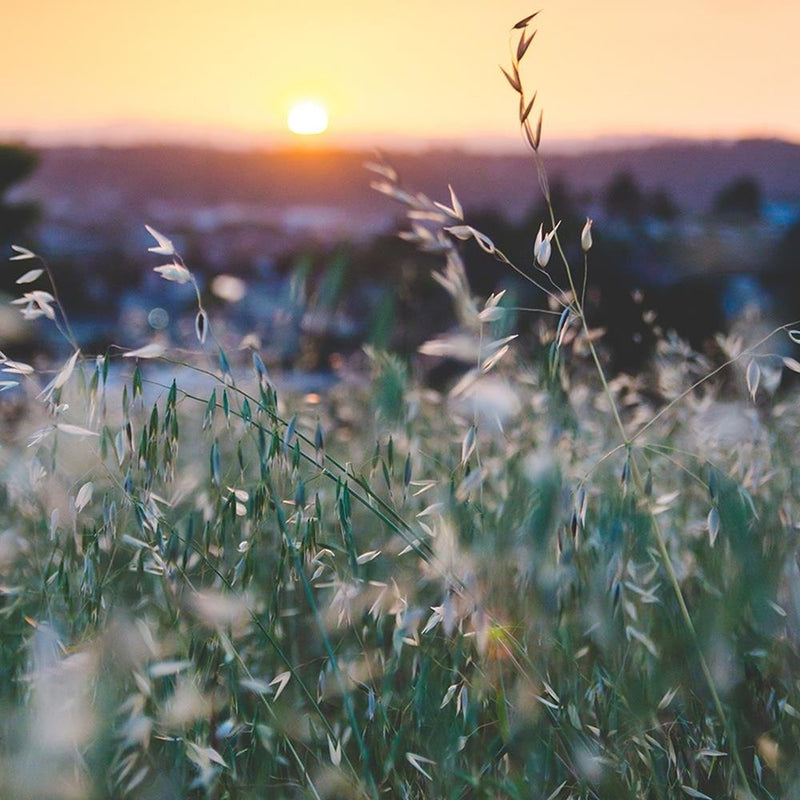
[(307, 118)]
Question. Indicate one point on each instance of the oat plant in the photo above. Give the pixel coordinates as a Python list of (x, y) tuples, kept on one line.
[(717, 603)]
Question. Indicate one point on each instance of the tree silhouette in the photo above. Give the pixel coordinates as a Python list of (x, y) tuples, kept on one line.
[(739, 200), (661, 206), (624, 199), (16, 164), (786, 266)]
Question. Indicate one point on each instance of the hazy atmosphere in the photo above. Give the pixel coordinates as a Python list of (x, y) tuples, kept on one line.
[(91, 70)]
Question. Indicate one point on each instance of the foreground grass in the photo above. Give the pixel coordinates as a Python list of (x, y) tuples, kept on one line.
[(216, 592)]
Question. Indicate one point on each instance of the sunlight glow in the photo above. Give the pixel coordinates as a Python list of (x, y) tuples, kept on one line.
[(307, 118)]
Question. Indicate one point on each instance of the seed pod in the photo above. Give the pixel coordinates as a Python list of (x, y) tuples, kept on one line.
[(586, 236)]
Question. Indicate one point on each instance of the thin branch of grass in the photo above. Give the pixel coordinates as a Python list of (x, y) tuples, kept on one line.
[(697, 384)]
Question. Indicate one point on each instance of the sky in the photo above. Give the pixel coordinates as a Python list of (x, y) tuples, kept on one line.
[(396, 70)]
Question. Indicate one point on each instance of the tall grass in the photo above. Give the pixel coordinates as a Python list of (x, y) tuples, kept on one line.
[(544, 583)]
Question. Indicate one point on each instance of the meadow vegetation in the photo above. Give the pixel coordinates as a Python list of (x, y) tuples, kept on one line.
[(546, 582)]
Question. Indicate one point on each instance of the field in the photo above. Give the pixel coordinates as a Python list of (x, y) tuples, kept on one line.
[(547, 581)]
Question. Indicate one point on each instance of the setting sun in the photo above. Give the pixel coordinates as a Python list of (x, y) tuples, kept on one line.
[(307, 118)]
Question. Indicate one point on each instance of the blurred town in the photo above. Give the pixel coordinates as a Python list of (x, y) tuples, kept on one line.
[(294, 249)]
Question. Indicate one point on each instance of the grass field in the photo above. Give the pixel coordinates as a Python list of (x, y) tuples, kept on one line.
[(547, 582)]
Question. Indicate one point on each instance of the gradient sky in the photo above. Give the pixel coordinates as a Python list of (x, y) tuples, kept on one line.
[(408, 68)]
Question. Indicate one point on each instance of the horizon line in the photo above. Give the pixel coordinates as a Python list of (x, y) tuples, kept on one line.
[(122, 136)]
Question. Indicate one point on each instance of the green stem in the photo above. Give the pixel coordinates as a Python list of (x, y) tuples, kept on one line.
[(689, 624), (326, 642), (749, 351), (582, 316), (660, 541)]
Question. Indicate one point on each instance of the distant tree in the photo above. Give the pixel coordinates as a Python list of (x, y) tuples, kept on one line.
[(624, 199), (786, 265), (661, 206), (740, 199), (16, 164)]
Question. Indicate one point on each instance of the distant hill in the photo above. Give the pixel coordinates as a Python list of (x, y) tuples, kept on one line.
[(131, 182), (252, 212)]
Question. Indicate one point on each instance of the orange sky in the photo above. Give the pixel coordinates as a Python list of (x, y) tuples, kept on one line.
[(408, 68)]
